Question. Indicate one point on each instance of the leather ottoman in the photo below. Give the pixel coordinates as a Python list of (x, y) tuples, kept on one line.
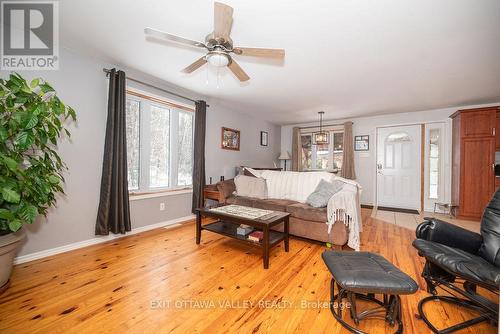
[(362, 275)]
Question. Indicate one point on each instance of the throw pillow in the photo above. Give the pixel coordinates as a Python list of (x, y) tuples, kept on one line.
[(249, 186), (320, 196)]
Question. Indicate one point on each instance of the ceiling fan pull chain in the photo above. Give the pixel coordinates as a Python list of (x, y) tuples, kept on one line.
[(218, 77), (206, 79)]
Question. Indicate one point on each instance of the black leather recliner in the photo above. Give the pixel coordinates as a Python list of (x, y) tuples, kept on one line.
[(458, 261)]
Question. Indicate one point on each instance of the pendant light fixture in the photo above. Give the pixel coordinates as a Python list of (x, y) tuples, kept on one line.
[(321, 137)]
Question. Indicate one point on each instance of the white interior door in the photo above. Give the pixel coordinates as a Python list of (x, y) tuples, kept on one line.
[(398, 167)]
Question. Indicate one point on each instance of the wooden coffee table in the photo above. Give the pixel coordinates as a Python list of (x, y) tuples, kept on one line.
[(227, 224)]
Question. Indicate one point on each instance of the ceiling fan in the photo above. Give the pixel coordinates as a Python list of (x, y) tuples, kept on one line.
[(219, 44)]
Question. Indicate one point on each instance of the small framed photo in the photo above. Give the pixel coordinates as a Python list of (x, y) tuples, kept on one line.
[(264, 138), (362, 143), (230, 139)]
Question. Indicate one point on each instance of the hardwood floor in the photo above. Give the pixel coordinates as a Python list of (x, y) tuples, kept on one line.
[(161, 281)]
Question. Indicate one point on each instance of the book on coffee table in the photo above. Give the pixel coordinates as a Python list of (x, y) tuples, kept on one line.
[(256, 236)]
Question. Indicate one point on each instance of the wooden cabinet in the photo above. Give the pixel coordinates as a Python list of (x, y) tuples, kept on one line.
[(478, 123), (497, 127), (473, 160), (211, 192), (478, 175)]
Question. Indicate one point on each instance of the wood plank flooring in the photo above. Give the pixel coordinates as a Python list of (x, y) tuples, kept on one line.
[(160, 281)]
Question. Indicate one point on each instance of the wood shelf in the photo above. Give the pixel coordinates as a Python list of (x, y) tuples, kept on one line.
[(229, 230), (227, 225)]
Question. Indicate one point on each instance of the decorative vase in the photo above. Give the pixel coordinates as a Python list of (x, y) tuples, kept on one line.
[(9, 244)]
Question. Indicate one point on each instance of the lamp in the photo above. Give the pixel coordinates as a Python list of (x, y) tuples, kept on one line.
[(284, 156), (217, 58), (321, 137)]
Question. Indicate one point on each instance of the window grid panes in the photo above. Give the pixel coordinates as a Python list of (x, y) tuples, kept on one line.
[(159, 146), (325, 156), (185, 150), (434, 135), (338, 149), (132, 116), (322, 153), (306, 144), (159, 155)]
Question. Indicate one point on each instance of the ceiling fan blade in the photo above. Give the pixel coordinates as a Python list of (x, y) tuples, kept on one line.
[(194, 66), (223, 20), (238, 71), (259, 52), (163, 35)]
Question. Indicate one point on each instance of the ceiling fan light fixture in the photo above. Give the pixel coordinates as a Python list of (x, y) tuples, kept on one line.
[(219, 45), (218, 59)]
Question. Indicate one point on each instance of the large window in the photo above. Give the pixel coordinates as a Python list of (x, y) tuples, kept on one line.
[(159, 144), (325, 156)]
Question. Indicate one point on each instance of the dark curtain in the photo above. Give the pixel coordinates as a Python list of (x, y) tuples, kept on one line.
[(114, 211), (200, 117)]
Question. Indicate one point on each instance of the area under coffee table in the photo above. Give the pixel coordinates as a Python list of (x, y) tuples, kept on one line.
[(227, 224)]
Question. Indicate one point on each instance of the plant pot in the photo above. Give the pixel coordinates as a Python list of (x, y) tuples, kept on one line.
[(9, 244)]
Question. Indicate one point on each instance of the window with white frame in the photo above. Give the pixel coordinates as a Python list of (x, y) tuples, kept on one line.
[(323, 156), (434, 163), (159, 144)]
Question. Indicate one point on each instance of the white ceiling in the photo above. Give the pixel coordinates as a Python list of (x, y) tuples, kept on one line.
[(349, 58)]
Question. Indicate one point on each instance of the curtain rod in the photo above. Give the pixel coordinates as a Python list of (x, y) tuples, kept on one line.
[(324, 125), (107, 71)]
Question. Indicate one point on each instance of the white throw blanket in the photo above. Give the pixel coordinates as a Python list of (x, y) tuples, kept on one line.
[(345, 206), (296, 186)]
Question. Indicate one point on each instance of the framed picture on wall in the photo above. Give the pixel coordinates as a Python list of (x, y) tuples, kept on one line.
[(264, 137), (362, 143), (230, 139)]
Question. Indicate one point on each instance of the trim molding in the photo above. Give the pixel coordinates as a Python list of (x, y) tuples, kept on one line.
[(97, 240), (138, 196), (387, 208)]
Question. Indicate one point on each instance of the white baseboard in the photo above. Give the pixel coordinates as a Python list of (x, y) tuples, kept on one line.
[(97, 240)]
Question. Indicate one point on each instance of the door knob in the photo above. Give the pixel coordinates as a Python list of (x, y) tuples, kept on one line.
[(379, 166)]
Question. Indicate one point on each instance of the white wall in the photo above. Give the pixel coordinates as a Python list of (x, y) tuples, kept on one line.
[(365, 162), (81, 83)]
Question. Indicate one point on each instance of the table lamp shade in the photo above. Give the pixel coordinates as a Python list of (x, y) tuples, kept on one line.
[(284, 156)]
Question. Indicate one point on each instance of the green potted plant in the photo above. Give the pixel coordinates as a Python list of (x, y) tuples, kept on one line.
[(32, 120)]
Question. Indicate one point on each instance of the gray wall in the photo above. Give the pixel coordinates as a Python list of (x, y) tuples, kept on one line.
[(81, 83), (145, 212), (223, 162)]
